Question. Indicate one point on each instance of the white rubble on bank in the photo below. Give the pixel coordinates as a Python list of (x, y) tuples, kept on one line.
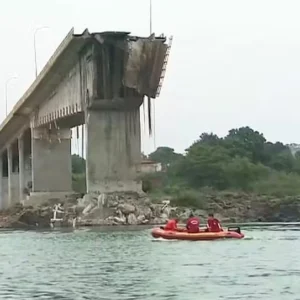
[(93, 210), (117, 209), (121, 209)]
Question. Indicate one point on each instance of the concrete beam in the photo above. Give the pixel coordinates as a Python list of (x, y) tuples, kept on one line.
[(47, 68)]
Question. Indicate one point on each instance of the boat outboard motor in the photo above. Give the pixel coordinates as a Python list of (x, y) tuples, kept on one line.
[(235, 229)]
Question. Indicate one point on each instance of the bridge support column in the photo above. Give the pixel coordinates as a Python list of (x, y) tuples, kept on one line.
[(10, 175), (113, 152), (1, 183), (51, 161), (21, 167)]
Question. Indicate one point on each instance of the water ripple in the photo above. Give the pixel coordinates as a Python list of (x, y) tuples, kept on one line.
[(89, 264)]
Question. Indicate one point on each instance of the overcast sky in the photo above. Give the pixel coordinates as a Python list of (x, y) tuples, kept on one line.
[(233, 63)]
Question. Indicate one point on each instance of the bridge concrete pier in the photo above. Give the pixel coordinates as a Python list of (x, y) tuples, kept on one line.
[(21, 167), (51, 160), (2, 205), (10, 182), (97, 79), (113, 150)]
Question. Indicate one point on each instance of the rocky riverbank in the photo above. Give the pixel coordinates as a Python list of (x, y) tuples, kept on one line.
[(139, 209), (90, 210), (242, 207)]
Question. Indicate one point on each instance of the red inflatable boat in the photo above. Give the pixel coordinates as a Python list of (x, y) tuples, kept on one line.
[(230, 233)]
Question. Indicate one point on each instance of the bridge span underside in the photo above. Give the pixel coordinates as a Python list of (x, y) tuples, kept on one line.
[(99, 80)]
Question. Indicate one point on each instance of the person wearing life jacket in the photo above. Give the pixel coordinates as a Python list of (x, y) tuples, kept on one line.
[(213, 224), (193, 224), (171, 225)]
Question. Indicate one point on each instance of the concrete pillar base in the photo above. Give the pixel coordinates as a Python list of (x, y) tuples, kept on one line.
[(36, 198), (115, 186), (113, 153)]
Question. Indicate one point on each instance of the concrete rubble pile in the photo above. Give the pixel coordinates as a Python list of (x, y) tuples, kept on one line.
[(93, 210), (119, 209), (138, 209)]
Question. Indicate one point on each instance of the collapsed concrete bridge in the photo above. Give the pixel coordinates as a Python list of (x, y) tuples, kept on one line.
[(96, 79)]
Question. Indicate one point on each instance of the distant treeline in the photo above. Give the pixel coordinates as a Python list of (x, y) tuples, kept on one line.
[(242, 160)]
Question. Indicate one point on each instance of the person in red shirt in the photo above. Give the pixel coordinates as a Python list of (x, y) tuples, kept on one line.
[(193, 224), (171, 225), (213, 224)]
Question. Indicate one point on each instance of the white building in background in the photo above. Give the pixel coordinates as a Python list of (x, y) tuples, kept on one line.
[(149, 166), (294, 148)]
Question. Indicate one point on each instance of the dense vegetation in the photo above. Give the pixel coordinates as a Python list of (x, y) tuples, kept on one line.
[(243, 160)]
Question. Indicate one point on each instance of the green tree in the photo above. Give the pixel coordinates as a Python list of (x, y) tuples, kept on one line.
[(271, 150), (283, 161), (297, 155), (245, 142), (203, 165), (165, 156), (241, 160), (240, 173), (210, 139)]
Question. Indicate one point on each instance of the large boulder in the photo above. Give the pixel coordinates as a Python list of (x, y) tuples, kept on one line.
[(144, 211), (120, 220), (131, 219), (36, 217), (164, 217), (126, 208), (167, 211), (101, 200), (99, 213), (88, 208), (142, 220), (156, 209), (86, 200)]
